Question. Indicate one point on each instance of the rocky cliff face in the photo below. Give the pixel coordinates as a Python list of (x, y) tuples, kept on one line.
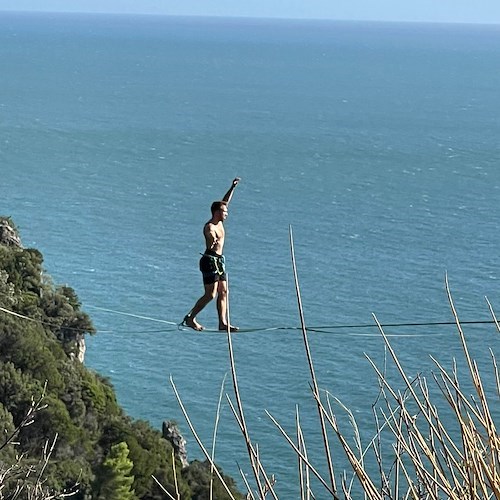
[(8, 234), (79, 349), (171, 433)]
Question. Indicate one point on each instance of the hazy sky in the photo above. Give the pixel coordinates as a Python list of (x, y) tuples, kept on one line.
[(462, 11)]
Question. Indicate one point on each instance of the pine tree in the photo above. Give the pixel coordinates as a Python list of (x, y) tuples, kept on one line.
[(116, 479)]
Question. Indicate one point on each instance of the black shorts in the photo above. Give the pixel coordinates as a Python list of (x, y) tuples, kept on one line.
[(212, 267)]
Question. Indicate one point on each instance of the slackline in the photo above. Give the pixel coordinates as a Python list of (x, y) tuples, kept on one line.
[(171, 326)]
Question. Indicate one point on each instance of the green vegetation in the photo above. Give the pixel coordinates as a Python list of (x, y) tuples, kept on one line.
[(63, 429)]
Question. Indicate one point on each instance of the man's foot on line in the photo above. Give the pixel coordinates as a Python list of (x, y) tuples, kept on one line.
[(190, 322), (232, 328)]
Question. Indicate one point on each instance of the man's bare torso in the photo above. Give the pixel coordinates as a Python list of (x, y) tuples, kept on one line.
[(214, 236)]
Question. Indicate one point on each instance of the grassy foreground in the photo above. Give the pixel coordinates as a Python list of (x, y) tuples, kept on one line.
[(419, 451)]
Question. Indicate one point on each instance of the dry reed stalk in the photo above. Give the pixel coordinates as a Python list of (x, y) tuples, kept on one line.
[(254, 460), (376, 445), (174, 470), (495, 368), (458, 396), (363, 477), (438, 442), (357, 438), (214, 439), (375, 442), (432, 418), (492, 469), (35, 407), (163, 488), (250, 495), (346, 490), (469, 434), (301, 455), (238, 421), (329, 461), (413, 491), (473, 372), (407, 382), (497, 324), (198, 440), (433, 438), (436, 477), (300, 463), (241, 421), (416, 440), (435, 428), (47, 453), (407, 442), (304, 477), (20, 473), (398, 462), (420, 446), (258, 463), (460, 406), (472, 471)]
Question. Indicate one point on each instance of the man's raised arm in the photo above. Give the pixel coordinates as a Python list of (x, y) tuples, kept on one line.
[(229, 194)]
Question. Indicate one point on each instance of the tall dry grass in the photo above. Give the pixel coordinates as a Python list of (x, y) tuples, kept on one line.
[(431, 454), (24, 479)]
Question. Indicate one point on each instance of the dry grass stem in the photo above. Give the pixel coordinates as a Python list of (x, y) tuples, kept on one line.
[(214, 439), (356, 465), (495, 368), (25, 477), (492, 312), (163, 488), (314, 381), (304, 476), (174, 470), (198, 440), (257, 468), (250, 495), (301, 455)]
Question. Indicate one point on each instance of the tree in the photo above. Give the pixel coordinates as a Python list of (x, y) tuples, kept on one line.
[(116, 481)]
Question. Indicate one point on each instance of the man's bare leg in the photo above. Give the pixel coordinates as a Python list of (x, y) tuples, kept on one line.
[(208, 296), (222, 307)]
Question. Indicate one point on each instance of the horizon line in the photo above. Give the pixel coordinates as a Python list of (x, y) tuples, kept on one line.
[(264, 18)]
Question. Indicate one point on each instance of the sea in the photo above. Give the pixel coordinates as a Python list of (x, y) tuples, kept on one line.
[(373, 147)]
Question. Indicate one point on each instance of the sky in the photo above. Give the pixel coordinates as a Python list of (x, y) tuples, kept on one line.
[(450, 11)]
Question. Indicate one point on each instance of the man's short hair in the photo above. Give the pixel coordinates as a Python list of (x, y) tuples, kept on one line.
[(217, 205)]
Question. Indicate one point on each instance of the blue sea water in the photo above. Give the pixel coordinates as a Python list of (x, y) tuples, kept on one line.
[(377, 143)]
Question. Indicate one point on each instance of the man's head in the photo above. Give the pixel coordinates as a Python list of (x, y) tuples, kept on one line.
[(219, 209)]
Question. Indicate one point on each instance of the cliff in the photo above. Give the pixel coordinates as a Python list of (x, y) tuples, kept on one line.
[(8, 234)]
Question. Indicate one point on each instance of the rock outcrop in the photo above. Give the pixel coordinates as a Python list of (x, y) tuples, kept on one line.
[(80, 347), (8, 234), (172, 434)]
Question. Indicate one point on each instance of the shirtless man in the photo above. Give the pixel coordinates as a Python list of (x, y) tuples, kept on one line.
[(212, 265)]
